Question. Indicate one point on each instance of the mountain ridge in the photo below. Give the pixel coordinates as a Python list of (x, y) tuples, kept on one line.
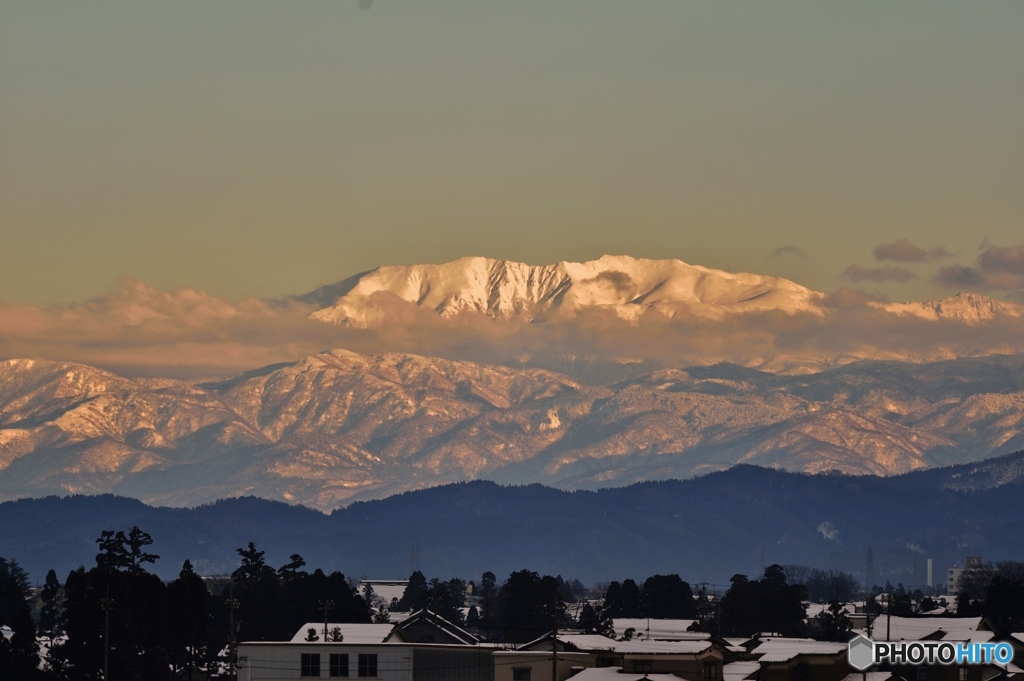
[(502, 289), (626, 286), (340, 426), (715, 525), (971, 308)]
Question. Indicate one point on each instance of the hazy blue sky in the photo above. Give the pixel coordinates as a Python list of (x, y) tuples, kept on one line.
[(270, 147)]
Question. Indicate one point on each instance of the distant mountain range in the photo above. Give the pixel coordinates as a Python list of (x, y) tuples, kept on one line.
[(629, 288), (706, 528), (340, 426), (970, 308), (501, 289)]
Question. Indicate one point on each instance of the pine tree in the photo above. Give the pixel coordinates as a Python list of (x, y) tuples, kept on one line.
[(489, 615), (253, 565), (835, 624), (20, 576), (596, 621), (51, 614), (188, 614), (415, 595), (291, 569), (121, 552)]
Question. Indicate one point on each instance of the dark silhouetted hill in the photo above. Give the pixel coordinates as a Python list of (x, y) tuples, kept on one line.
[(705, 528)]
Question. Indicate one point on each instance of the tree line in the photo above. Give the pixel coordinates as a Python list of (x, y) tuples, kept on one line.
[(119, 616)]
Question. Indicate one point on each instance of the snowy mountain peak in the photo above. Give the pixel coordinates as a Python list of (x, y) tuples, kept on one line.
[(502, 289), (971, 308)]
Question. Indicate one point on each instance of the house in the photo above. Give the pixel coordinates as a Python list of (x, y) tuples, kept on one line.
[(423, 647), (656, 629), (967, 629), (898, 628), (535, 665), (741, 670), (797, 659), (424, 626), (1014, 671), (696, 660)]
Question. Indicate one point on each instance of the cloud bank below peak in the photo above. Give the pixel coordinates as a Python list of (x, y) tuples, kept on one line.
[(612, 309)]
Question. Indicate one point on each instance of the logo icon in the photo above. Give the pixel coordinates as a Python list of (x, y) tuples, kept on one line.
[(861, 653)]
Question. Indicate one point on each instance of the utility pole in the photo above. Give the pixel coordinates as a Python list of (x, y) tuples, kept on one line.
[(718, 614), (232, 606), (888, 610), (554, 636), (326, 605), (105, 603)]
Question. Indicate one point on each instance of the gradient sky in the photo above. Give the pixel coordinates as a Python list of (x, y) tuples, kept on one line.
[(268, 148)]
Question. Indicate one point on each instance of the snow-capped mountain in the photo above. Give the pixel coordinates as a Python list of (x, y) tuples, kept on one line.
[(339, 426), (970, 308), (501, 289)]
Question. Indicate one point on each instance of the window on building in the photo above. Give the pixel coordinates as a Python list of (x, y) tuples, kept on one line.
[(642, 667), (339, 665), (606, 662), (367, 665), (963, 673), (310, 665), (521, 674), (922, 673), (710, 671)]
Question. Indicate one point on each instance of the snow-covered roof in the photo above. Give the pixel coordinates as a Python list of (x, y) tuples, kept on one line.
[(385, 588), (351, 633), (664, 647), (435, 620), (785, 649), (815, 609), (1019, 635), (597, 642), (660, 630), (738, 671), (927, 628), (616, 674)]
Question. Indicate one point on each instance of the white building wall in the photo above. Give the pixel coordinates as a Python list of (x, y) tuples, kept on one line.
[(279, 661), (953, 580)]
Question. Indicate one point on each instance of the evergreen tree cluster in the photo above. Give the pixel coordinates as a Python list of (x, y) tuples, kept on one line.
[(660, 597), (442, 598), (770, 604), (19, 657), (524, 607), (151, 629)]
